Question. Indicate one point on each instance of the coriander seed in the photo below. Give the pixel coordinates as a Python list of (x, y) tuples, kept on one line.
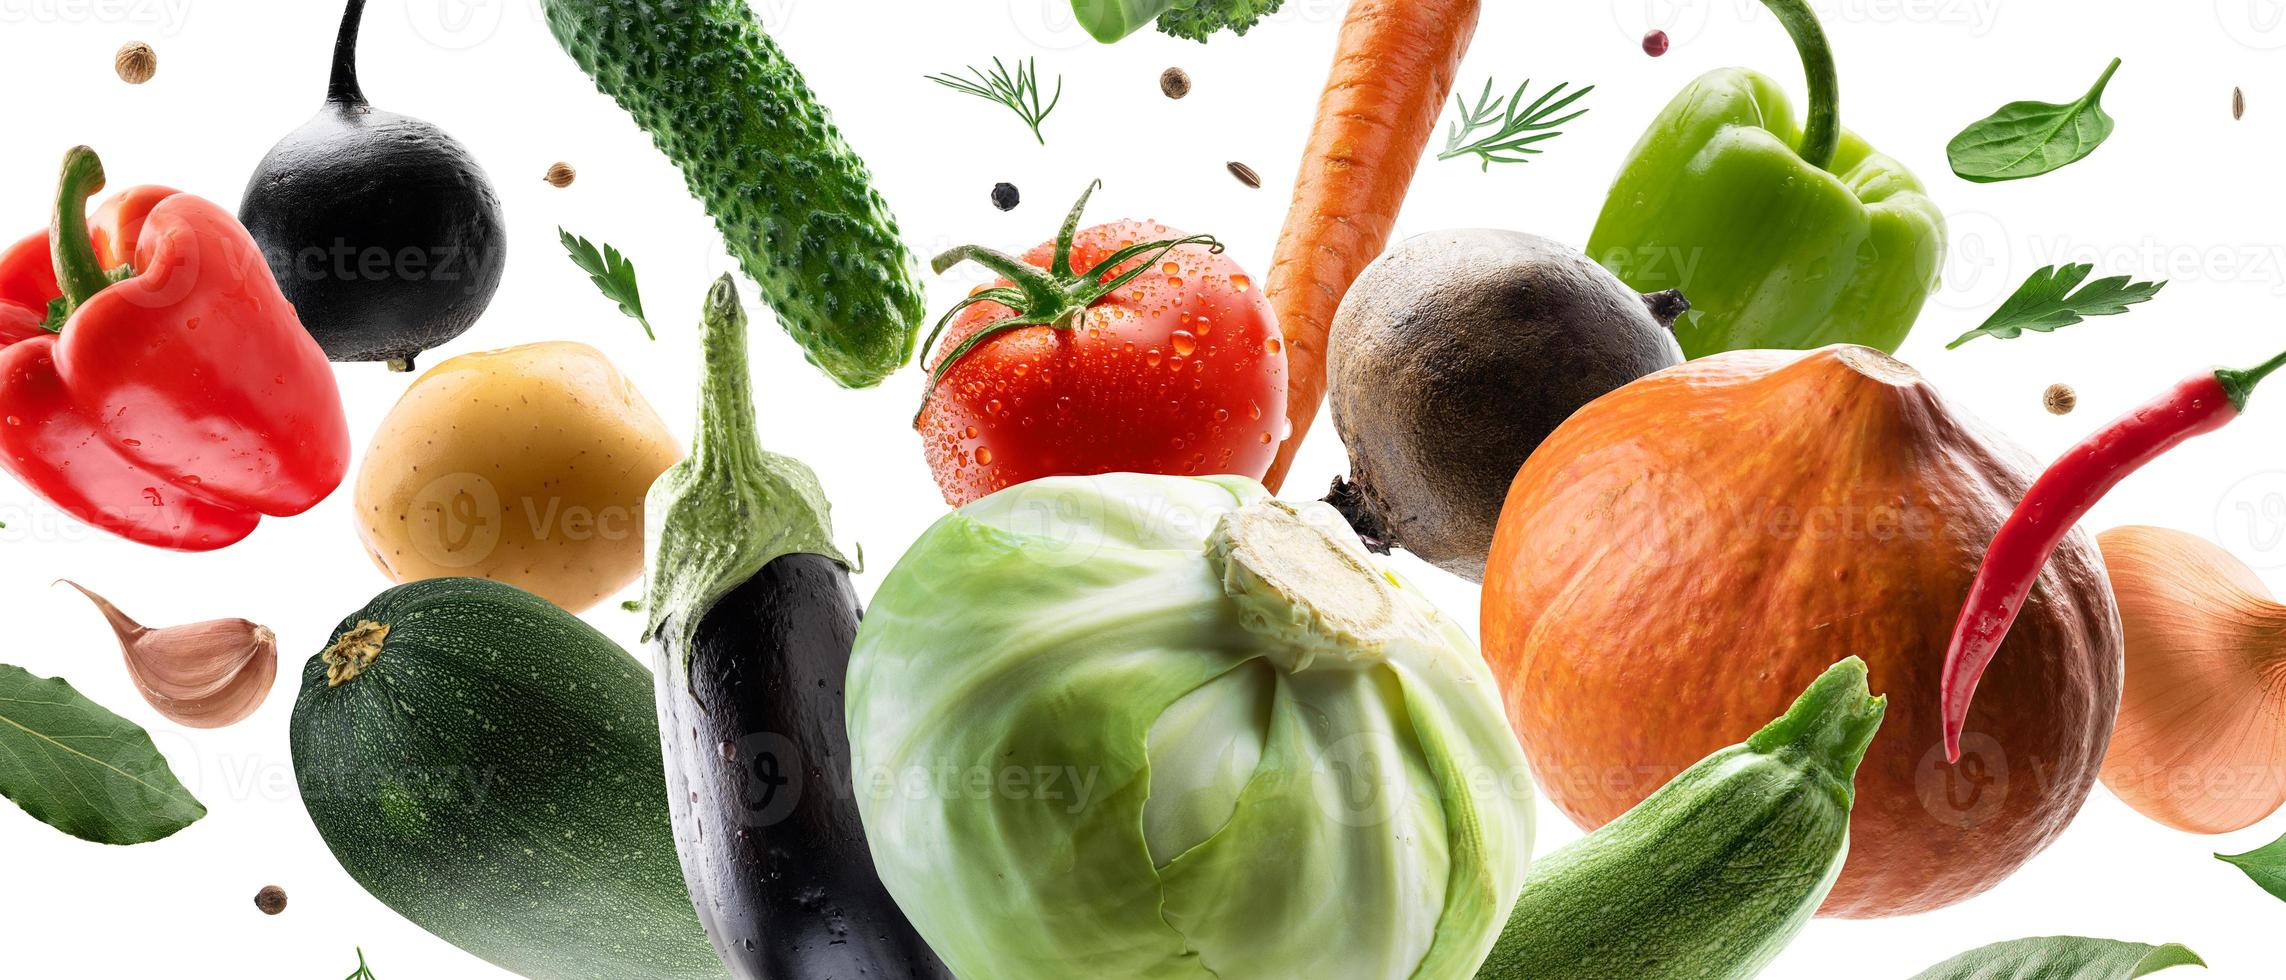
[(2060, 399), (136, 63)]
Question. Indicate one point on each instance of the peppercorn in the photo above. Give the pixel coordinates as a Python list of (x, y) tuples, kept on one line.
[(136, 63), (1655, 43), (562, 174), (2060, 399), (1245, 174), (1004, 196), (1175, 82), (271, 899)]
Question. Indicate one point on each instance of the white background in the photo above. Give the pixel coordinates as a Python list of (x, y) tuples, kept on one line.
[(2181, 192)]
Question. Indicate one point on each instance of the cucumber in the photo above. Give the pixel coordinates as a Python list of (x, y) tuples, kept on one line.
[(1714, 874), (488, 765), (793, 201)]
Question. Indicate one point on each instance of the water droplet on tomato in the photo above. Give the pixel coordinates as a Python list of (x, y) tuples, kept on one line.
[(1205, 326), (12, 420), (983, 456), (992, 407), (1170, 268), (1254, 411), (1152, 357), (1021, 370), (1266, 438), (1184, 343), (1222, 415), (1241, 283), (969, 433), (1274, 346)]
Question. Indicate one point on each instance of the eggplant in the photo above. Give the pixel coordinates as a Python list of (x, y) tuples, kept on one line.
[(381, 229), (752, 620)]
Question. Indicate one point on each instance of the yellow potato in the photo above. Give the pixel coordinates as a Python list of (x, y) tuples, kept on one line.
[(526, 465)]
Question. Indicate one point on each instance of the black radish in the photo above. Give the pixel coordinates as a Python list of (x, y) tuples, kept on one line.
[(381, 229)]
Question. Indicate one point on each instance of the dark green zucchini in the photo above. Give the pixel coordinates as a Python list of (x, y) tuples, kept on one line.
[(487, 765), (1710, 877), (753, 619)]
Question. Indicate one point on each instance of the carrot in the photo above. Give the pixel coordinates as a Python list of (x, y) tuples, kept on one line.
[(1392, 72)]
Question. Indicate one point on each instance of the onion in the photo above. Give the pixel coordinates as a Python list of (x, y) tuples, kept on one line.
[(2201, 740)]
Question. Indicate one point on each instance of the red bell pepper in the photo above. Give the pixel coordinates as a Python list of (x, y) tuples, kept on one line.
[(155, 383)]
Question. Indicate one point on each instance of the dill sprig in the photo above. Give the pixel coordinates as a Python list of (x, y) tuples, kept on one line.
[(1515, 125), (1018, 90), (363, 972)]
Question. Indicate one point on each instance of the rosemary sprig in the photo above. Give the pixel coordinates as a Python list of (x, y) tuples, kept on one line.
[(1018, 90), (1515, 125)]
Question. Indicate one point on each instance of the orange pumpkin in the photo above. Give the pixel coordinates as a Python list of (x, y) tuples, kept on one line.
[(1687, 553)]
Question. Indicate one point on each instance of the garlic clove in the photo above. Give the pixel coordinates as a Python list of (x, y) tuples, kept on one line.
[(205, 675), (2200, 745)]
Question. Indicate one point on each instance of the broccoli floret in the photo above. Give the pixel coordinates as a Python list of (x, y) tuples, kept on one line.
[(1198, 19)]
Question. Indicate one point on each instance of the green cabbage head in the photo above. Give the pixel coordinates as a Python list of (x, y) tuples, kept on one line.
[(1134, 726)]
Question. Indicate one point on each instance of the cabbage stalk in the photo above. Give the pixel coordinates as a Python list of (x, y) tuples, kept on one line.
[(1158, 727)]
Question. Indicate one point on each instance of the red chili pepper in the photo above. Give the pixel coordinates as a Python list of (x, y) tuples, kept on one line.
[(2058, 499), (155, 383)]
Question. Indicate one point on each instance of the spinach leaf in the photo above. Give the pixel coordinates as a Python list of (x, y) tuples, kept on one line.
[(2061, 958), (2047, 301), (2265, 864), (2027, 139), (83, 770)]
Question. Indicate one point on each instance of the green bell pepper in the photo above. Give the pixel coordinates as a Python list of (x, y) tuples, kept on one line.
[(1780, 234)]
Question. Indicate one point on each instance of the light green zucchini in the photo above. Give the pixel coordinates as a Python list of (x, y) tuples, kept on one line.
[(1716, 872)]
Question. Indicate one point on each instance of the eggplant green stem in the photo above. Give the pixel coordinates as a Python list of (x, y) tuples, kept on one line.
[(1056, 297), (715, 519), (78, 272), (1821, 133), (2238, 383)]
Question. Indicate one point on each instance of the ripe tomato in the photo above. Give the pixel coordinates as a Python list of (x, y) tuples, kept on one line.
[(1180, 371)]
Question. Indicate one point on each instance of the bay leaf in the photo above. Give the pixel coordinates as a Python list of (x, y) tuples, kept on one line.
[(81, 769)]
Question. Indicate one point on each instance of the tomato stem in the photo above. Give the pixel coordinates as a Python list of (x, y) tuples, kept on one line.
[(1056, 297)]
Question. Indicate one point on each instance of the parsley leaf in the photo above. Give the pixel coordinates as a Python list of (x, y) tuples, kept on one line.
[(611, 273), (2047, 301)]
